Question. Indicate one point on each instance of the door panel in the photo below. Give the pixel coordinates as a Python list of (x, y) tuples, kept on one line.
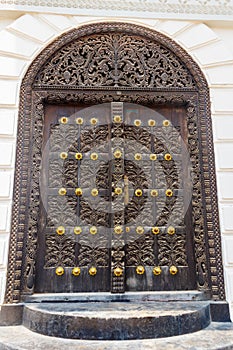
[(115, 200)]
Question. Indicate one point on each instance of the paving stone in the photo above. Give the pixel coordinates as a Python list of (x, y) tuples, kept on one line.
[(218, 336)]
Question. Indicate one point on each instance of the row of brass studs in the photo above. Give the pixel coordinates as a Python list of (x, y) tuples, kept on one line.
[(117, 154), (64, 120), (79, 156), (154, 193), (116, 119), (153, 156), (118, 191), (117, 229), (140, 270), (77, 230)]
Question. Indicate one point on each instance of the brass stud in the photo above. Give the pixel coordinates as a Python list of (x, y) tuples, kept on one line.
[(137, 156), (171, 230), (92, 271), (173, 270), (64, 120), (77, 230), (60, 230), (169, 193), (166, 123), (78, 191), (62, 191), (94, 192), (76, 271), (63, 155), (153, 156), (59, 271), (151, 122), (117, 119), (155, 230), (138, 192), (137, 122), (118, 271), (140, 270), (140, 230), (94, 121), (154, 193), (127, 229), (94, 156), (78, 156), (93, 230), (79, 120), (117, 154), (118, 190), (118, 229), (157, 271), (168, 156)]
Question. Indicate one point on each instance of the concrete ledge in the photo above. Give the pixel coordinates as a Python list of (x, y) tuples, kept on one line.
[(11, 315), (219, 311)]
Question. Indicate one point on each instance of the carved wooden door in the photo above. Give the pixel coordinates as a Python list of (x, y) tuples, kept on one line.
[(115, 200)]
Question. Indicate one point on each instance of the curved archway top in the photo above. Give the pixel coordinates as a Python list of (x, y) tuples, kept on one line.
[(113, 55)]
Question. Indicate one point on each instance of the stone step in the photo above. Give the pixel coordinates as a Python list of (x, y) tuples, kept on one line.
[(116, 320), (217, 336)]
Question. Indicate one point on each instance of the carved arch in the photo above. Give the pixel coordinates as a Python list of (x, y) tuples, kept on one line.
[(178, 81)]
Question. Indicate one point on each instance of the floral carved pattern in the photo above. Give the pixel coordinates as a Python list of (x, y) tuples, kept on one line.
[(114, 60), (194, 95)]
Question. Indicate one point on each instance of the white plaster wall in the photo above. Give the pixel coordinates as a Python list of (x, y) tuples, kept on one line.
[(22, 39)]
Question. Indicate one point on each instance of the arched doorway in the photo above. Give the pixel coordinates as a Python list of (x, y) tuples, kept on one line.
[(116, 63)]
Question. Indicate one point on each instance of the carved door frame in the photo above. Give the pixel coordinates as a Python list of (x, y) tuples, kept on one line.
[(194, 96)]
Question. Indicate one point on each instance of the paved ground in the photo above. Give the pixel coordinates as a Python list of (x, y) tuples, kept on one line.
[(216, 336)]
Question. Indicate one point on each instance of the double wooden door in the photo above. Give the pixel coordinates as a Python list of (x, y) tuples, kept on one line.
[(116, 191)]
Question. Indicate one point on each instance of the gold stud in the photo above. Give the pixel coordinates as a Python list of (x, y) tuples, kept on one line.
[(62, 191), (93, 230), (78, 156), (92, 271), (137, 156), (153, 156), (94, 156), (151, 122), (171, 230), (157, 270), (127, 229), (118, 190), (155, 230), (169, 193), (137, 122), (140, 230), (173, 270), (166, 123), (138, 192), (94, 121), (60, 230), (59, 271), (118, 271), (117, 154), (118, 229), (79, 120), (77, 230), (140, 270), (117, 119), (94, 192), (76, 271), (63, 155), (168, 156), (78, 191), (64, 120), (154, 193)]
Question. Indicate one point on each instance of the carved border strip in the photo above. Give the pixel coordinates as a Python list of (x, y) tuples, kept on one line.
[(26, 193)]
